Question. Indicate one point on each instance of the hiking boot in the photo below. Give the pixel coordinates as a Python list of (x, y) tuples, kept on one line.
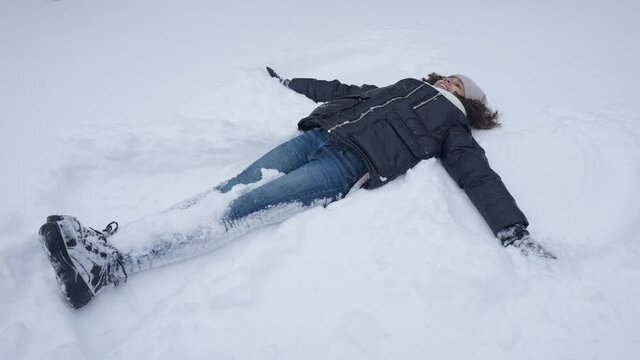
[(83, 261)]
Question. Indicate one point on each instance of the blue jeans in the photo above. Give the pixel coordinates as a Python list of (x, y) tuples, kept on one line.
[(317, 171)]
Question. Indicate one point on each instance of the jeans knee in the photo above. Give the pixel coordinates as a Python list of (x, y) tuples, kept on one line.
[(242, 206)]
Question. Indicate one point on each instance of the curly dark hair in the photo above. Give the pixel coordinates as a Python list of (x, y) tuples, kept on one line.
[(479, 115)]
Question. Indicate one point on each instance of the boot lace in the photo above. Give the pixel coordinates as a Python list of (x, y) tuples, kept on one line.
[(112, 269)]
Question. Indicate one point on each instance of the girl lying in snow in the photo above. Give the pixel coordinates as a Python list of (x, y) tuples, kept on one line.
[(362, 136)]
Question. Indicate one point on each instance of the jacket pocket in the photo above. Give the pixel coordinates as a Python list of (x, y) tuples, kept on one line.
[(385, 148), (359, 97), (408, 136), (423, 132)]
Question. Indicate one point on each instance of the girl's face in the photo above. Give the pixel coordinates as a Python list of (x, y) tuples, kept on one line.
[(452, 84)]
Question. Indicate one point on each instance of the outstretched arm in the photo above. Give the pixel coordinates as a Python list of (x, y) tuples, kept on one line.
[(465, 161), (321, 90)]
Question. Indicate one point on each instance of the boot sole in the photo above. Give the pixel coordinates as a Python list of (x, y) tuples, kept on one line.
[(73, 287)]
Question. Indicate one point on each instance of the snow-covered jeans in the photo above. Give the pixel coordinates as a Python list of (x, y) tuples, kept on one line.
[(316, 172)]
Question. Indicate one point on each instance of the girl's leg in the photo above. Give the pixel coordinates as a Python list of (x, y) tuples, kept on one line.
[(326, 177), (285, 158)]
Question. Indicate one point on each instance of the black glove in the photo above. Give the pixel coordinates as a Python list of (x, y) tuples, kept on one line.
[(273, 74), (518, 236)]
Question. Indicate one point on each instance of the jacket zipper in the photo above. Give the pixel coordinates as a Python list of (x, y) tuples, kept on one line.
[(428, 100), (377, 107)]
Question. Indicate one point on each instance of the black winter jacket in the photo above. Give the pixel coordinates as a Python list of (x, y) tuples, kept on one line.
[(395, 127)]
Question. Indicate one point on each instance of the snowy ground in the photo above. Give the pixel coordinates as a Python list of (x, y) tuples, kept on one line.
[(118, 109)]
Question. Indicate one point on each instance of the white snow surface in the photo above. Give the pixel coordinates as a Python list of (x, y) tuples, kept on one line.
[(113, 110)]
